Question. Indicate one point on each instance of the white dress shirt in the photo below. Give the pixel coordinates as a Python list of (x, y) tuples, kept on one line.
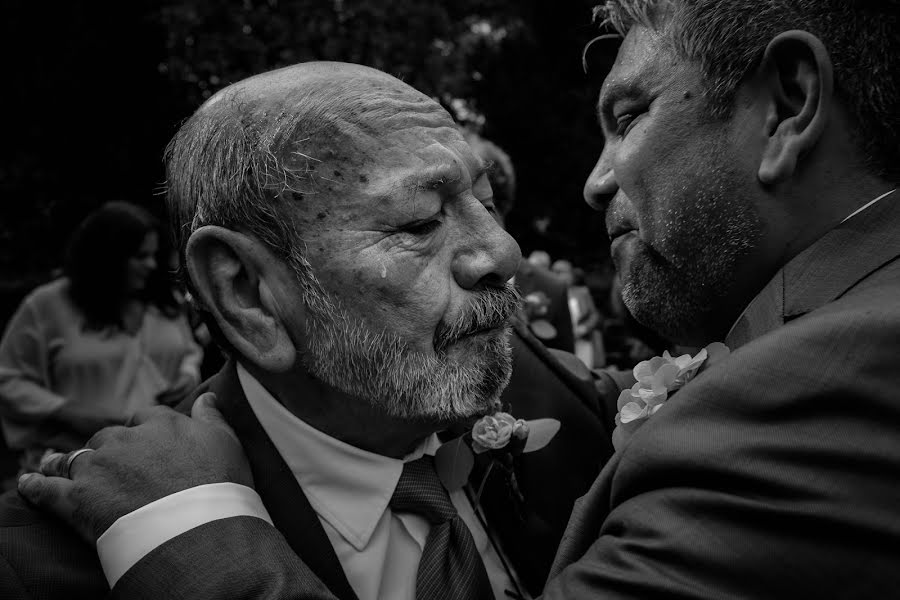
[(349, 489)]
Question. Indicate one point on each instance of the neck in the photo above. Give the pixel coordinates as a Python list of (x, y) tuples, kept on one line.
[(352, 420), (821, 212), (810, 213)]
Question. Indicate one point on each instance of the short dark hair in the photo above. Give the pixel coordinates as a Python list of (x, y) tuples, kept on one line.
[(728, 38)]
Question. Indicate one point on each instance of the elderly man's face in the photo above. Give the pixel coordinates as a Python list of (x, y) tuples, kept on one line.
[(678, 184), (402, 239)]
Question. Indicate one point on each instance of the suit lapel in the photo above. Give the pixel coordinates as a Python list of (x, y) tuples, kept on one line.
[(825, 271), (281, 494), (842, 258)]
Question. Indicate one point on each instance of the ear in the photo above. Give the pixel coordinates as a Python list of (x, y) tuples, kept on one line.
[(798, 73), (238, 280)]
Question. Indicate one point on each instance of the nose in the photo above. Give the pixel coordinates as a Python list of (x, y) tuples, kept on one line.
[(486, 255), (601, 184), (150, 263)]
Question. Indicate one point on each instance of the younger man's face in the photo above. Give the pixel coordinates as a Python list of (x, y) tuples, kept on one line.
[(677, 185)]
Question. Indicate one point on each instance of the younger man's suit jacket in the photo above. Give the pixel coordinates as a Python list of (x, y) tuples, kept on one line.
[(776, 473)]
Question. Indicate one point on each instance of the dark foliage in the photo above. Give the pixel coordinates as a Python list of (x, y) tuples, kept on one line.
[(98, 88)]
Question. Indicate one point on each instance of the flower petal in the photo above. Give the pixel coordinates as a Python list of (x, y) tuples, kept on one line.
[(503, 417), (665, 377), (632, 411), (625, 397), (656, 401), (717, 351)]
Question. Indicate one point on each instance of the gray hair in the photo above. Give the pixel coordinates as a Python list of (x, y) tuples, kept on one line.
[(249, 156), (224, 168), (728, 38)]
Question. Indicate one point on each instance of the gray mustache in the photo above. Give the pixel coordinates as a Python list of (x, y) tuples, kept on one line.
[(490, 309)]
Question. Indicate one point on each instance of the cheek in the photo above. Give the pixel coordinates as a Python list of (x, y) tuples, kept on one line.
[(408, 296), (663, 172)]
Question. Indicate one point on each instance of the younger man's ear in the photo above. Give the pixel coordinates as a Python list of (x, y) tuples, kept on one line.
[(236, 278), (798, 73)]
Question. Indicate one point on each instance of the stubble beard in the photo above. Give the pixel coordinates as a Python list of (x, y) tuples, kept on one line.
[(679, 290)]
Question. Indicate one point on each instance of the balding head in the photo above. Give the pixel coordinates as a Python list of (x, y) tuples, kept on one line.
[(257, 148)]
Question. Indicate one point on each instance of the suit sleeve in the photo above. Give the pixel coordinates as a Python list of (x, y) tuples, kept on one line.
[(235, 558), (772, 475)]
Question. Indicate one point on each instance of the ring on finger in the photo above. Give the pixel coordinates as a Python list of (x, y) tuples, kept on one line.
[(72, 456)]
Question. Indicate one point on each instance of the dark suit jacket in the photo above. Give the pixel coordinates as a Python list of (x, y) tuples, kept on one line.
[(531, 278), (776, 473), (245, 557)]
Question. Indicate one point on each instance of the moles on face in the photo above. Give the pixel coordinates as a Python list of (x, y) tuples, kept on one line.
[(400, 234), (678, 189)]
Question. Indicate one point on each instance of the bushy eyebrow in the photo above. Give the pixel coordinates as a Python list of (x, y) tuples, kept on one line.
[(615, 92), (431, 178), (436, 177)]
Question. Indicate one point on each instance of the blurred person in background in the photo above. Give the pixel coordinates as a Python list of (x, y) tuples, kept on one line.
[(545, 307), (88, 349), (584, 314), (539, 258)]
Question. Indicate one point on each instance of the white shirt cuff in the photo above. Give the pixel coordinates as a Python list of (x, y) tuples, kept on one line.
[(134, 535)]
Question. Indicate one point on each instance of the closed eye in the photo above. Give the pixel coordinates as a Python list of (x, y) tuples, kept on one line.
[(624, 123), (421, 228)]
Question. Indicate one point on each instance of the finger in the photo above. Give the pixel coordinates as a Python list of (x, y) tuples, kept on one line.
[(143, 415), (105, 436), (63, 465), (204, 409), (54, 464), (48, 493), (51, 494)]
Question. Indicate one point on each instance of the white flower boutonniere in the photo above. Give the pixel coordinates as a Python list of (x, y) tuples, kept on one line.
[(501, 435), (657, 379)]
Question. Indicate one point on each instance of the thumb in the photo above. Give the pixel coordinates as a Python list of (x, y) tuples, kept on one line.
[(204, 409)]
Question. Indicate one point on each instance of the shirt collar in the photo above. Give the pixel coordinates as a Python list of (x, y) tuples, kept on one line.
[(867, 205), (348, 487), (768, 306)]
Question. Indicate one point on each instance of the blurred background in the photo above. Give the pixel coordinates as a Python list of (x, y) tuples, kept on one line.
[(94, 90)]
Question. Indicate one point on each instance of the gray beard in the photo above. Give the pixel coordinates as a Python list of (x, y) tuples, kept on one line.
[(377, 366)]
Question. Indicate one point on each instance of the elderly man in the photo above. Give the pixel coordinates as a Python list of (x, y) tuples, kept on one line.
[(337, 229), (751, 168)]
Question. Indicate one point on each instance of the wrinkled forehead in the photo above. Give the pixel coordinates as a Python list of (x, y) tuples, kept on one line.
[(379, 137), (382, 129), (335, 127)]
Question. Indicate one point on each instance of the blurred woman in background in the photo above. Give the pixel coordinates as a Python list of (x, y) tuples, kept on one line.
[(88, 349)]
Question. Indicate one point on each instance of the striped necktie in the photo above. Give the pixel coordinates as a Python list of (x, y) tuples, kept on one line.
[(450, 568)]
